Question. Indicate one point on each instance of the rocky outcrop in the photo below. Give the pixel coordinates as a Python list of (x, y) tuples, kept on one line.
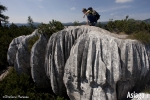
[(37, 63), (57, 53), (106, 67), (86, 62), (12, 50), (22, 61)]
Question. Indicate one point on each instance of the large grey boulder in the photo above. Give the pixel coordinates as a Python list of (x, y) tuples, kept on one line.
[(88, 63), (13, 48), (103, 67), (57, 53), (22, 62), (37, 63)]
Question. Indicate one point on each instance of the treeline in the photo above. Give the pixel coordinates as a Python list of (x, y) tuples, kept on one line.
[(128, 26), (138, 30)]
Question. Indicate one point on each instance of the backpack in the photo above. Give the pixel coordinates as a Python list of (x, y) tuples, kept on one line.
[(95, 13)]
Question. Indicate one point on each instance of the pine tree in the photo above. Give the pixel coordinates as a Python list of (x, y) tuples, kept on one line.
[(3, 18), (30, 22)]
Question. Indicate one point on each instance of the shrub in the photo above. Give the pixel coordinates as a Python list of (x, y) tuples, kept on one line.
[(31, 42), (52, 27), (22, 86)]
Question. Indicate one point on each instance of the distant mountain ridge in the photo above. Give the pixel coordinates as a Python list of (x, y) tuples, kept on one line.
[(36, 24), (147, 20), (69, 23)]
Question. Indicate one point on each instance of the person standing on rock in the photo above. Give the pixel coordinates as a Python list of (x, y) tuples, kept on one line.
[(91, 20)]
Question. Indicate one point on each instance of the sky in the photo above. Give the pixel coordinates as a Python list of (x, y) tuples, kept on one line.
[(71, 10)]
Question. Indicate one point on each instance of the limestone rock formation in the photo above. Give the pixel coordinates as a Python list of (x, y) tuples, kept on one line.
[(88, 63), (22, 62), (37, 63), (57, 53), (12, 50), (106, 67)]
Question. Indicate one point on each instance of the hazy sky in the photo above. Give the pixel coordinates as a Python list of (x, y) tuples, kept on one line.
[(71, 10)]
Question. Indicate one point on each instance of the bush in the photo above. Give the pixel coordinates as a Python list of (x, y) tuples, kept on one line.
[(138, 30), (15, 85), (31, 42), (22, 86), (48, 29)]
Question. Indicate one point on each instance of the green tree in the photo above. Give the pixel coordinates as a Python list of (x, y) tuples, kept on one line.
[(130, 26), (110, 25), (30, 22), (76, 23), (3, 18), (127, 17), (50, 28)]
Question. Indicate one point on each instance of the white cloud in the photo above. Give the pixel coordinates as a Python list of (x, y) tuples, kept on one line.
[(123, 1), (112, 9), (73, 8)]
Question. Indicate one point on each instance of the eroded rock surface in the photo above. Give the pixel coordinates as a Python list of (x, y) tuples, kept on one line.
[(37, 63), (13, 48), (57, 53), (88, 63), (103, 67), (22, 62)]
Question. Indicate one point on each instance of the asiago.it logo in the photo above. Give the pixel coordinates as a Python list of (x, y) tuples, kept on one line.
[(137, 95)]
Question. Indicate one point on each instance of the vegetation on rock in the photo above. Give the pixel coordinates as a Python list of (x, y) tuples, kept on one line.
[(31, 42), (50, 28)]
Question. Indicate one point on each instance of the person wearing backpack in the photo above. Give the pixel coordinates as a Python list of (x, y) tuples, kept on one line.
[(91, 19), (95, 13)]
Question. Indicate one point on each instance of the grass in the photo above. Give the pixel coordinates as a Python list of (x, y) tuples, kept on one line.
[(142, 36)]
